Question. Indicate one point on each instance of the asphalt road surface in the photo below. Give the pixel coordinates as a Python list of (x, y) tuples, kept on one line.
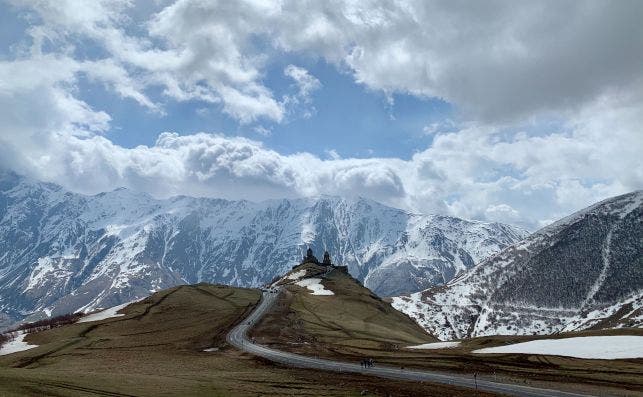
[(238, 338)]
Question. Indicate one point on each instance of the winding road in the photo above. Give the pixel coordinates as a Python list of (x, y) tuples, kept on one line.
[(238, 338)]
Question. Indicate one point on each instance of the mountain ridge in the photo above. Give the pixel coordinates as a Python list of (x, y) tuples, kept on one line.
[(65, 251), (584, 271)]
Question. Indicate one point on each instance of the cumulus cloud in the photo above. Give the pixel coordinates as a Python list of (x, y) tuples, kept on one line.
[(477, 173), (501, 65), (205, 62), (497, 61)]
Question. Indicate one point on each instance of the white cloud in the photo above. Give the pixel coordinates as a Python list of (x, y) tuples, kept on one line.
[(503, 213), (497, 63), (333, 155), (446, 125), (261, 130), (206, 61), (306, 82), (496, 60), (306, 85), (474, 173)]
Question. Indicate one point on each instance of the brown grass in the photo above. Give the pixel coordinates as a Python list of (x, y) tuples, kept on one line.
[(353, 324), (156, 349), (48, 323)]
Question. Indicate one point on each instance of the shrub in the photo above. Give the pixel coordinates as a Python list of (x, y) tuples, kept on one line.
[(48, 323), (4, 338)]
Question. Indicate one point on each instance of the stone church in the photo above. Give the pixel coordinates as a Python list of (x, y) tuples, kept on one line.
[(311, 258)]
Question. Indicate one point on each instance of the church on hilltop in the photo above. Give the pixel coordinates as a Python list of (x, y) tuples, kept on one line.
[(326, 261), (311, 258)]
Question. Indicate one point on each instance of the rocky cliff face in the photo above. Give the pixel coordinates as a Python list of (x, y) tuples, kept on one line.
[(61, 252), (584, 271)]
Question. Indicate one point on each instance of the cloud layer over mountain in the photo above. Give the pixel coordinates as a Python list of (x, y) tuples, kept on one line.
[(549, 97)]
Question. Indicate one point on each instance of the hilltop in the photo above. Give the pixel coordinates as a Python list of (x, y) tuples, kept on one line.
[(323, 308), (324, 312)]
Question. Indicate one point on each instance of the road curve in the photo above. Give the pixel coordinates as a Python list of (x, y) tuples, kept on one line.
[(237, 337)]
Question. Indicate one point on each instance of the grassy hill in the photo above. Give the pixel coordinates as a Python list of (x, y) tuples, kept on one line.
[(353, 320), (157, 349), (353, 324)]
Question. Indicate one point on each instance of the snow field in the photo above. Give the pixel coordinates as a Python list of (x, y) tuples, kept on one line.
[(314, 285), (18, 344), (105, 314), (296, 275), (592, 347)]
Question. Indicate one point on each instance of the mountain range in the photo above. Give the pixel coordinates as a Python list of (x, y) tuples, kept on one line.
[(582, 272), (61, 252)]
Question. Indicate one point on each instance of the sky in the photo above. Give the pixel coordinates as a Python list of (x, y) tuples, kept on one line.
[(509, 111)]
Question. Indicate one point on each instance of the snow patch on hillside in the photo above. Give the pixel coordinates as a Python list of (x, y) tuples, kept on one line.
[(586, 320), (18, 344), (105, 314), (296, 275), (48, 268), (314, 285), (435, 345), (591, 347)]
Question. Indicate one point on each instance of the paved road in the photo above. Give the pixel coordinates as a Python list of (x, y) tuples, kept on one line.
[(237, 337)]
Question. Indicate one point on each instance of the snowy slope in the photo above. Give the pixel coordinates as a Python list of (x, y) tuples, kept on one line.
[(610, 347), (17, 344), (584, 271), (61, 252)]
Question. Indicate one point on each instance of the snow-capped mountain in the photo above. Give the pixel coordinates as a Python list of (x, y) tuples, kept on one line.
[(61, 252), (582, 272)]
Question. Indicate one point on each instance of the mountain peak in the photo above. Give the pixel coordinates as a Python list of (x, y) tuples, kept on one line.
[(64, 251), (580, 272)]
